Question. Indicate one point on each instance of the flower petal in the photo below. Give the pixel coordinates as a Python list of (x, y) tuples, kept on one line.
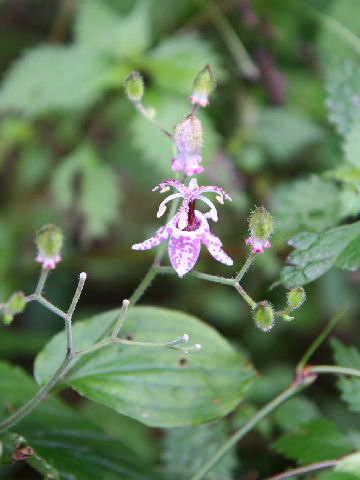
[(172, 183), (161, 235), (213, 244), (184, 249)]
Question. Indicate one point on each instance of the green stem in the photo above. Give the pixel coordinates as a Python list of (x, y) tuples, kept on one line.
[(143, 285), (245, 296), (239, 434), (338, 370), (312, 467), (51, 307), (92, 348), (34, 401), (121, 318), (245, 267), (321, 337), (140, 107), (41, 283), (202, 276)]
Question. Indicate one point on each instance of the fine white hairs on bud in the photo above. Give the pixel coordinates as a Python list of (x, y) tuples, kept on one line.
[(261, 225), (49, 241), (296, 297), (188, 141), (263, 315)]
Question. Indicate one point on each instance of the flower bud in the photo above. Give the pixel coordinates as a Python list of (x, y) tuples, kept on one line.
[(49, 241), (204, 84), (263, 315), (134, 86), (16, 303), (188, 141), (261, 226), (296, 297)]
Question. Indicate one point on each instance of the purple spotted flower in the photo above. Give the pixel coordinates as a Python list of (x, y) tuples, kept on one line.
[(188, 228)]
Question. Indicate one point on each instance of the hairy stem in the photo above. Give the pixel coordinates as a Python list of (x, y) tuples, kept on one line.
[(338, 370), (140, 107), (245, 267)]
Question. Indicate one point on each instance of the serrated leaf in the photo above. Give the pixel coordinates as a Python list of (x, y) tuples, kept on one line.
[(312, 204), (314, 441), (186, 450), (174, 63), (100, 27), (295, 411), (155, 148), (65, 443), (315, 253), (349, 387), (343, 95), (53, 78), (149, 384), (98, 196), (293, 131)]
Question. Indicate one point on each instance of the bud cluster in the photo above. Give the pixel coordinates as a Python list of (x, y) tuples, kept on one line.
[(16, 304)]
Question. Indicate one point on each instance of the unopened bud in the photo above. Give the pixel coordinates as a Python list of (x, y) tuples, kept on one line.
[(204, 84), (188, 141), (261, 226), (134, 86), (296, 297), (49, 241), (263, 315), (16, 303)]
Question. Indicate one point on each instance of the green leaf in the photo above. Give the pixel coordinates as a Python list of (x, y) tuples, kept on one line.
[(312, 204), (186, 450), (314, 441), (295, 411), (100, 27), (315, 253), (98, 198), (349, 387), (150, 384), (174, 63), (40, 81), (343, 95), (66, 444), (333, 475), (352, 145), (283, 133)]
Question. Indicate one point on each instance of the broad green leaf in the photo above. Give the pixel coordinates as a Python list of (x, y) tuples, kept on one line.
[(53, 78), (315, 253), (343, 95), (314, 441), (295, 411), (154, 385), (98, 198), (186, 449), (174, 63), (100, 27), (65, 443), (155, 148), (283, 133), (349, 387), (312, 204), (333, 475)]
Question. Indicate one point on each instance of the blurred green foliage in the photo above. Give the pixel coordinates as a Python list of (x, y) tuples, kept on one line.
[(74, 152)]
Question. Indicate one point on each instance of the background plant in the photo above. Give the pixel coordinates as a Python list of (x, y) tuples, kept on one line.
[(281, 131)]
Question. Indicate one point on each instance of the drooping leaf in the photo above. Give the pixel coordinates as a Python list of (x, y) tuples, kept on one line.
[(315, 253), (159, 387), (65, 444), (314, 441), (312, 204), (349, 387), (53, 78), (186, 449), (98, 198), (100, 27)]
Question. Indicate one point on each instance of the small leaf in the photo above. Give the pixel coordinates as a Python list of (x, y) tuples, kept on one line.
[(98, 199), (65, 444), (100, 27), (40, 81), (314, 441), (315, 253), (311, 204), (187, 449), (159, 387), (349, 387)]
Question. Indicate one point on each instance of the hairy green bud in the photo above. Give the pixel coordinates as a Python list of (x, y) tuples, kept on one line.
[(16, 303), (134, 86), (204, 84), (261, 225), (49, 241), (263, 315), (296, 297)]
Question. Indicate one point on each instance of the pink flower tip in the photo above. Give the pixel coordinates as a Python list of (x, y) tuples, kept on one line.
[(48, 262)]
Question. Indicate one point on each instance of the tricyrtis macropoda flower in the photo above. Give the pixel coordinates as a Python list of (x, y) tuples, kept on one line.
[(188, 228)]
